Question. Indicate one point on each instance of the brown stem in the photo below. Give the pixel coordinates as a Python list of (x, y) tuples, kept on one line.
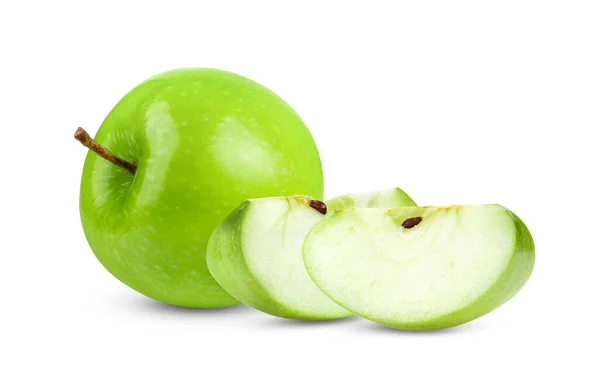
[(87, 141)]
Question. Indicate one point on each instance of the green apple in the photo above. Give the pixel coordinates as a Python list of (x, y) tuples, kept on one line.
[(181, 151), (256, 255), (393, 197), (420, 268)]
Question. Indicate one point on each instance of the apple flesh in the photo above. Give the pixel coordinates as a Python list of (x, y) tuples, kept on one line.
[(379, 199), (200, 142), (256, 255), (420, 268)]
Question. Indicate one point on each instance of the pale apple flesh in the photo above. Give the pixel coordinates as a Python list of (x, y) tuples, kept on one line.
[(420, 268), (378, 199), (256, 255)]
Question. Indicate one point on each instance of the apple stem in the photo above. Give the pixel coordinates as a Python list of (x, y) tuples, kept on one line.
[(82, 136)]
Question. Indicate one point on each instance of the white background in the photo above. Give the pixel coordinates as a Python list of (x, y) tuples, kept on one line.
[(455, 102)]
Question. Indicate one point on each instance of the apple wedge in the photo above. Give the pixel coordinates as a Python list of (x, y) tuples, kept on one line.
[(420, 268), (255, 254)]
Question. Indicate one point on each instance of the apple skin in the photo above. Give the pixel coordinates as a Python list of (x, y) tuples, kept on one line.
[(204, 141)]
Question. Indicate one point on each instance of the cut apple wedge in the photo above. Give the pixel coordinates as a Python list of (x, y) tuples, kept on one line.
[(380, 199), (255, 254), (420, 268)]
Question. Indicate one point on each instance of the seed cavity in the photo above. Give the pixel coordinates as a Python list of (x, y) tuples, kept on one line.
[(319, 206), (412, 222)]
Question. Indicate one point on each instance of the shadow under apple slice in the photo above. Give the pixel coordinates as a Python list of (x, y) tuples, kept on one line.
[(141, 304), (374, 328), (273, 323)]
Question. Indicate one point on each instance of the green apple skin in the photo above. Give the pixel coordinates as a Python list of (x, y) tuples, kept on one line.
[(511, 280), (204, 141)]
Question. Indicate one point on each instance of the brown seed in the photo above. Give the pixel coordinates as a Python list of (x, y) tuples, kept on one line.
[(319, 206), (412, 222)]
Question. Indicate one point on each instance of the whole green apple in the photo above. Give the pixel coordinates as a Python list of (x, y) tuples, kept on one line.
[(173, 158)]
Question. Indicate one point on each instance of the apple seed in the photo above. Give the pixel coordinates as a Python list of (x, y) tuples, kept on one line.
[(412, 222), (319, 206)]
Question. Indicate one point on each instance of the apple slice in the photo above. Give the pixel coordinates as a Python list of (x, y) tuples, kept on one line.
[(255, 254), (392, 197), (420, 268)]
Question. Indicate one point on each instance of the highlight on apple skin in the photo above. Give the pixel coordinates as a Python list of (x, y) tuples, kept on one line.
[(256, 254), (420, 268), (192, 144)]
